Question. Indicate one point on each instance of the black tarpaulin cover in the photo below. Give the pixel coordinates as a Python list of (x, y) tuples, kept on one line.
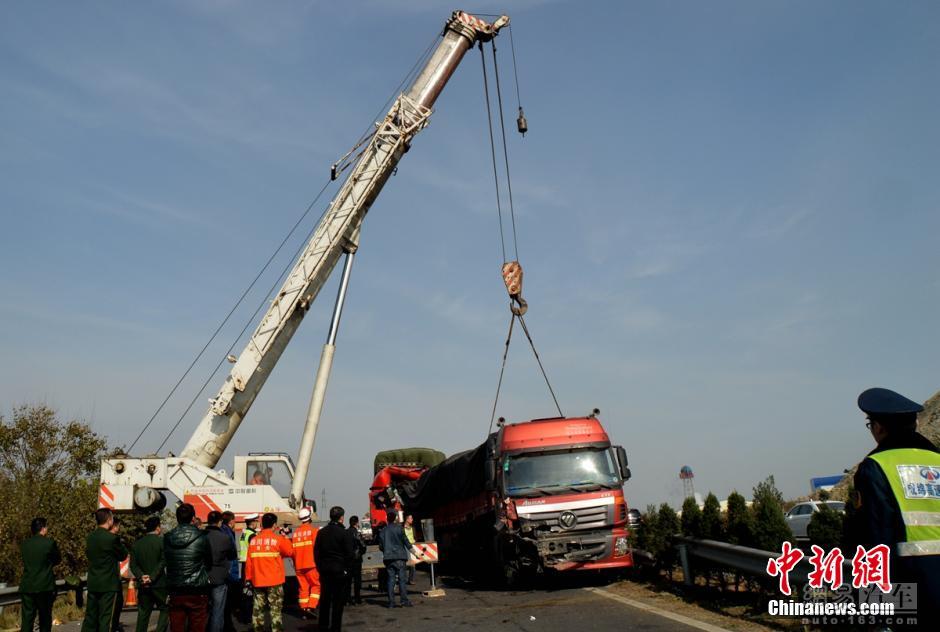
[(462, 475)]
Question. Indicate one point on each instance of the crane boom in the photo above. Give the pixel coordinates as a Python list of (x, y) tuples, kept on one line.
[(336, 233)]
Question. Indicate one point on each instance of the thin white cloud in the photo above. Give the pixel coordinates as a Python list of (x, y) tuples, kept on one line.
[(780, 221), (139, 210)]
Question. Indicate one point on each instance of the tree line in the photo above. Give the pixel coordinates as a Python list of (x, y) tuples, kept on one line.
[(762, 525), (50, 468)]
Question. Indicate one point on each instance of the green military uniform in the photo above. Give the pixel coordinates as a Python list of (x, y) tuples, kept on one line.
[(147, 559), (37, 587), (105, 552), (268, 600)]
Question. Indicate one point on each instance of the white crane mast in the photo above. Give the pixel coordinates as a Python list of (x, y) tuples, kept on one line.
[(128, 482)]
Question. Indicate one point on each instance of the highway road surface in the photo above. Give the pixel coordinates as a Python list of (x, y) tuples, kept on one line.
[(563, 607)]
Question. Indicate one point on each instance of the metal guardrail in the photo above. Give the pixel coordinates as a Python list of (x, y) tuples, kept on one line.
[(740, 558), (10, 595)]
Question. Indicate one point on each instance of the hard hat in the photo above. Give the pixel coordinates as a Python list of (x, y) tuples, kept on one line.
[(251, 517), (304, 514)]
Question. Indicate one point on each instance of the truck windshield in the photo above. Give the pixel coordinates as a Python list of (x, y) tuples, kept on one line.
[(579, 470)]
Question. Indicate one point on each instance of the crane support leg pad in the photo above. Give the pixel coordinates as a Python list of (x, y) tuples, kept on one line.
[(437, 592)]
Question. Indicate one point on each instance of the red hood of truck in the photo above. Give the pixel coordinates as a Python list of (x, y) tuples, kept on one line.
[(547, 434)]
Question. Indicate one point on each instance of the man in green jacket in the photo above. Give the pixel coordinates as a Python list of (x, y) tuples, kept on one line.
[(105, 552), (37, 587), (148, 567)]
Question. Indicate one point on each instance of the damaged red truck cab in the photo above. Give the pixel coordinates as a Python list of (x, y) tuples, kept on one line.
[(540, 495), (563, 493)]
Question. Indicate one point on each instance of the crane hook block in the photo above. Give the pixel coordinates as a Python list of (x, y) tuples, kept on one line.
[(512, 277), (521, 123)]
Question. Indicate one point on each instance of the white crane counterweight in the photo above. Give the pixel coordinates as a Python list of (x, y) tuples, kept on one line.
[(337, 233)]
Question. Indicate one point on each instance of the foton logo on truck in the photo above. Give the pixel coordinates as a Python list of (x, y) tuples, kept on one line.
[(541, 495)]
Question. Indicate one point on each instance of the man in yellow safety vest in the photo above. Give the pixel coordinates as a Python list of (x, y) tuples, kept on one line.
[(896, 499)]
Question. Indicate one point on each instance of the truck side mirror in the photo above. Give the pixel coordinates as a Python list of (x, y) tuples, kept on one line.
[(622, 460)]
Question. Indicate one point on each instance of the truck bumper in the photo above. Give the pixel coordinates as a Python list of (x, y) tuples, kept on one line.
[(593, 550)]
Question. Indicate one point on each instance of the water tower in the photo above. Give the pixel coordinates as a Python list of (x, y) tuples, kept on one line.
[(688, 488)]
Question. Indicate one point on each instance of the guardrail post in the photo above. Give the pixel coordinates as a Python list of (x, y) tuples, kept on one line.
[(686, 567)]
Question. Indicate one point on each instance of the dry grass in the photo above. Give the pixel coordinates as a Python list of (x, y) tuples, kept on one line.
[(63, 610)]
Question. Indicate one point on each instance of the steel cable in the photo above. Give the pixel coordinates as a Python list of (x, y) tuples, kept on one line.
[(489, 118), (502, 125), (228, 316), (502, 369), (248, 323), (366, 134)]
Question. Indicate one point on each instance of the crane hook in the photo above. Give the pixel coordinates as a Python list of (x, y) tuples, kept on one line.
[(521, 123), (512, 277)]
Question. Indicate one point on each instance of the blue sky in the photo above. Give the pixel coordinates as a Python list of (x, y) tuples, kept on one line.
[(727, 216)]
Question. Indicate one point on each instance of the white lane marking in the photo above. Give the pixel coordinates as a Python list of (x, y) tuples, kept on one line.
[(708, 627)]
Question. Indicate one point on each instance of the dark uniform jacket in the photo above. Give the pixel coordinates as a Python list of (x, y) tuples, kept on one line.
[(105, 552), (333, 551), (40, 554), (223, 552), (359, 547), (875, 518), (188, 560), (147, 559)]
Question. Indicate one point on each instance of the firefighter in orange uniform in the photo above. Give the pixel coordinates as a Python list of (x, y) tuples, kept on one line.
[(307, 575), (264, 570)]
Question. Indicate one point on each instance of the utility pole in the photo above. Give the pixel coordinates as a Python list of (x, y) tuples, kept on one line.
[(323, 500)]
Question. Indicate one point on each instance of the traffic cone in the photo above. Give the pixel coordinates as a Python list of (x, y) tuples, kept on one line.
[(130, 601)]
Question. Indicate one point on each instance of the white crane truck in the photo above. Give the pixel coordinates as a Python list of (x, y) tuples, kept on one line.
[(270, 482)]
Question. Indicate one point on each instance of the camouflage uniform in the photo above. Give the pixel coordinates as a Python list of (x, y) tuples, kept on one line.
[(268, 600)]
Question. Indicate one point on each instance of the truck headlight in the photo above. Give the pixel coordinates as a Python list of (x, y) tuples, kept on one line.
[(620, 547)]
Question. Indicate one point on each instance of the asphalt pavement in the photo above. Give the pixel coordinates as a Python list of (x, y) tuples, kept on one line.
[(578, 604)]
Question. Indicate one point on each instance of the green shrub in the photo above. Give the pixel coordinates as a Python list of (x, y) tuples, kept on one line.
[(691, 518), (711, 518), (770, 525), (739, 527), (825, 528), (668, 527)]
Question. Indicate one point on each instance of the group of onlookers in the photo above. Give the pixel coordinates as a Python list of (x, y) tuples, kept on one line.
[(201, 579)]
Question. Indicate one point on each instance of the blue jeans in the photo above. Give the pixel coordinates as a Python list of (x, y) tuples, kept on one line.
[(396, 573), (217, 608)]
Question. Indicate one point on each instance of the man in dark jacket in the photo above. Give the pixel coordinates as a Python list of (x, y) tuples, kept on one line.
[(233, 592), (149, 570), (223, 554), (333, 554), (354, 581), (119, 597), (188, 560), (37, 587), (896, 498), (395, 547), (105, 552)]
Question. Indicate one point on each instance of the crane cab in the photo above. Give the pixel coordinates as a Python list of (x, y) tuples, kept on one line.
[(265, 468)]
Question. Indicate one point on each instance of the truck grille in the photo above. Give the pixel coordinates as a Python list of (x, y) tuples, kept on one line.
[(587, 518)]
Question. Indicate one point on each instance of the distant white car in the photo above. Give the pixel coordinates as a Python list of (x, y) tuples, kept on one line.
[(800, 514)]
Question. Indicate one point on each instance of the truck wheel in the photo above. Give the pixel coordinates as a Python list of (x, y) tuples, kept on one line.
[(512, 574)]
